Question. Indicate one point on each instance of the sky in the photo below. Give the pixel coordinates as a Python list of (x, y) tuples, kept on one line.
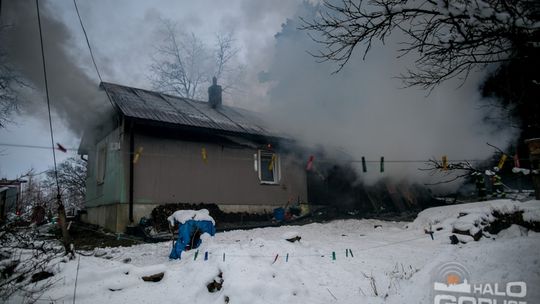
[(363, 110)]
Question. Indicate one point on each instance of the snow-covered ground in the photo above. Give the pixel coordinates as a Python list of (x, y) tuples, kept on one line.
[(391, 262)]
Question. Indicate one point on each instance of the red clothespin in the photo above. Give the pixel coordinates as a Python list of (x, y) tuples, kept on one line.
[(310, 162), (61, 148)]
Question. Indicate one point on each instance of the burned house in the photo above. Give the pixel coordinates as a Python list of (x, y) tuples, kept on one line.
[(158, 149)]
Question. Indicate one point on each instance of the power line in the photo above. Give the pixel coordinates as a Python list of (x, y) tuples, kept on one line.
[(173, 155), (92, 55), (31, 146), (47, 97)]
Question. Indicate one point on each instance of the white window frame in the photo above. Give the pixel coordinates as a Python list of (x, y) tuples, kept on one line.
[(276, 170), (101, 163)]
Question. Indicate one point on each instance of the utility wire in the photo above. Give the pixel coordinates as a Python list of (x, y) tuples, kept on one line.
[(251, 158), (48, 99), (31, 146), (92, 56)]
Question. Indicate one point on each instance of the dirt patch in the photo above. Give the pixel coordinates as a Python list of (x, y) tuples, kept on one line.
[(501, 222), (162, 212), (216, 284), (505, 220), (87, 237)]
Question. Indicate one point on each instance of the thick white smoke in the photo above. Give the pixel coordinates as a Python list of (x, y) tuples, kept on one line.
[(365, 111)]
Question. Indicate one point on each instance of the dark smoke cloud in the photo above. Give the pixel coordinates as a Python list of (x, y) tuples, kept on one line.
[(75, 97)]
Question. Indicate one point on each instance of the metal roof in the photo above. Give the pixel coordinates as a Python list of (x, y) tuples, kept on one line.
[(155, 106)]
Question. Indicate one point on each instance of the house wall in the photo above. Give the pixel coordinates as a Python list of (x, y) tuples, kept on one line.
[(171, 171), (107, 202)]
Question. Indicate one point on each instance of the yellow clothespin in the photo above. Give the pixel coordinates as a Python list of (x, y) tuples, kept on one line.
[(137, 155), (445, 162), (501, 162), (271, 165), (204, 155)]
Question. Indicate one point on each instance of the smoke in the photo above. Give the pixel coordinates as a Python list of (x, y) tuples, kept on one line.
[(74, 96), (362, 111), (365, 111)]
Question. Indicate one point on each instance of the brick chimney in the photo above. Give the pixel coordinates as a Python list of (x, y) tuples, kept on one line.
[(214, 94)]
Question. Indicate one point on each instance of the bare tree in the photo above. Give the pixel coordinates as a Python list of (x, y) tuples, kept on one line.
[(72, 182), (451, 38), (26, 264), (9, 82), (449, 172), (184, 65)]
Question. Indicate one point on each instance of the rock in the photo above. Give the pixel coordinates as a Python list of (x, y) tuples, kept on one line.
[(99, 253), (294, 239), (216, 284), (154, 278), (39, 276), (464, 239), (454, 240)]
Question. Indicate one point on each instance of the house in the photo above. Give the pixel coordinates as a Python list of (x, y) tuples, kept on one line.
[(157, 149), (10, 195)]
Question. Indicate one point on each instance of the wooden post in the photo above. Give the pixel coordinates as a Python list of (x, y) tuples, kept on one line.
[(534, 156)]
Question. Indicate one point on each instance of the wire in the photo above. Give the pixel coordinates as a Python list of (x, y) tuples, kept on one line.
[(31, 146), (76, 278), (92, 56), (48, 98)]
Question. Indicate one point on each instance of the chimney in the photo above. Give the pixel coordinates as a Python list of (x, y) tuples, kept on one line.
[(214, 94)]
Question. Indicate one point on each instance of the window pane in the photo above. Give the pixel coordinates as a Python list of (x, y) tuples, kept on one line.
[(267, 175)]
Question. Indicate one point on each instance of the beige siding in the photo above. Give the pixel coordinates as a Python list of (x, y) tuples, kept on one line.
[(170, 171)]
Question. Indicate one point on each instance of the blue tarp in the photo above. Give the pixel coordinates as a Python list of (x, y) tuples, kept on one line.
[(185, 231)]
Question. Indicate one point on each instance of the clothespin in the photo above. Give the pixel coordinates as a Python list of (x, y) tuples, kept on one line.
[(196, 254), (382, 164), (204, 155), (501, 161), (333, 255), (516, 161), (364, 167), (206, 255), (61, 148), (271, 165), (275, 259), (137, 155), (310, 162), (445, 162), (287, 258)]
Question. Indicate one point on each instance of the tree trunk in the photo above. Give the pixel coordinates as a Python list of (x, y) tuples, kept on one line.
[(62, 221), (534, 152)]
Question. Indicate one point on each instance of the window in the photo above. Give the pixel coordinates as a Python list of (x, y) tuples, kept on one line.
[(101, 164), (269, 167)]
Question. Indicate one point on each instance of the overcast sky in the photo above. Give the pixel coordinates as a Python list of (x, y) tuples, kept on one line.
[(363, 110)]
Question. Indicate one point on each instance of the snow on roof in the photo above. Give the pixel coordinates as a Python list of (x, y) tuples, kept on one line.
[(182, 216)]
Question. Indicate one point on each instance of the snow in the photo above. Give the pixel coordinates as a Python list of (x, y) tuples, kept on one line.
[(399, 258), (182, 216), (521, 170)]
